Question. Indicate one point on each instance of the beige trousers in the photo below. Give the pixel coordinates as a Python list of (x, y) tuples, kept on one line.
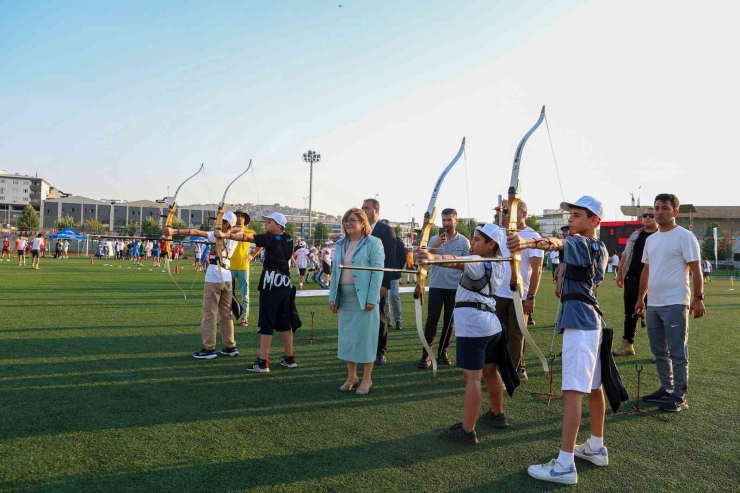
[(217, 301)]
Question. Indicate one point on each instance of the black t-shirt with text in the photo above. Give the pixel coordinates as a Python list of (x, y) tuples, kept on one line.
[(278, 251)]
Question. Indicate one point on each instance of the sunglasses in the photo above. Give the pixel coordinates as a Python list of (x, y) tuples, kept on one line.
[(644, 216)]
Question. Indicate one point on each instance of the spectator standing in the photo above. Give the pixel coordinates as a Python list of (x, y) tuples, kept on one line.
[(669, 256), (355, 296), (628, 277), (387, 236), (443, 285)]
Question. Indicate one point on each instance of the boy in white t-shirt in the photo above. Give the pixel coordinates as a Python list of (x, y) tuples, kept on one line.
[(216, 292), (669, 255), (36, 246), (300, 257), (580, 322), (478, 332)]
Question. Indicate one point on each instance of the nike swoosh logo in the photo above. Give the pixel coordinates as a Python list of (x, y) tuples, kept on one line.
[(553, 473), (674, 326)]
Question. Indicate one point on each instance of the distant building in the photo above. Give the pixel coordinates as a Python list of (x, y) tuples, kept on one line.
[(552, 220), (697, 218), (115, 215), (17, 191)]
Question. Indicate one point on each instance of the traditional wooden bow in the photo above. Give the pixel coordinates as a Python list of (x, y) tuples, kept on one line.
[(219, 219), (429, 217), (168, 224), (512, 228)]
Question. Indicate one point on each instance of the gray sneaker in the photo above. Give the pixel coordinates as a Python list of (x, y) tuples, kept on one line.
[(493, 419)]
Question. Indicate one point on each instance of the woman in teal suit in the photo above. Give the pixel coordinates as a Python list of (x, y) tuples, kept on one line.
[(355, 295)]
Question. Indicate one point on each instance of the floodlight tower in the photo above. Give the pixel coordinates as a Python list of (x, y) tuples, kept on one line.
[(310, 157)]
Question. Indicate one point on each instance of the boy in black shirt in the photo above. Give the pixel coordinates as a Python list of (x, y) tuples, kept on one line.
[(274, 287)]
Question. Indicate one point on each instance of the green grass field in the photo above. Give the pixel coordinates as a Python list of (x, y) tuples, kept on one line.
[(98, 392)]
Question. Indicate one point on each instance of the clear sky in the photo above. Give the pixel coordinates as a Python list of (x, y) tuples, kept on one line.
[(123, 101)]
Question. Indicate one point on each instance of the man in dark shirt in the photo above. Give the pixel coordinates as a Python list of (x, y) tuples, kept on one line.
[(387, 236), (628, 277)]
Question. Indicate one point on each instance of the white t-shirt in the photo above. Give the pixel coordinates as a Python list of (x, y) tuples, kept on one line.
[(504, 291), (554, 257), (22, 244), (301, 258), (528, 254), (212, 274), (471, 322), (326, 258), (615, 260), (37, 242), (66, 246), (668, 255)]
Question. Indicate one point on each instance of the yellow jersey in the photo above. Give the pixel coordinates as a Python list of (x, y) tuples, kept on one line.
[(239, 258)]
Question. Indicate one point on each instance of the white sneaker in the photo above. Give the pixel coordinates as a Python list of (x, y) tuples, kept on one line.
[(553, 472), (598, 457)]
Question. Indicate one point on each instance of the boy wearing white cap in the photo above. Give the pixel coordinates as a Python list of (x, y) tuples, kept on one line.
[(479, 333), (216, 292), (580, 322), (275, 289), (300, 257)]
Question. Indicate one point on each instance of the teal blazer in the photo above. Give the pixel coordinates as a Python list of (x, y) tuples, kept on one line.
[(369, 253)]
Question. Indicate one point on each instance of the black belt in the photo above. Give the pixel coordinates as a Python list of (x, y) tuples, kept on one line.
[(473, 304), (581, 298)]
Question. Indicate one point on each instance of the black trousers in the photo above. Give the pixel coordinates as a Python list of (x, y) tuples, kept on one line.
[(438, 299), (631, 291), (383, 329)]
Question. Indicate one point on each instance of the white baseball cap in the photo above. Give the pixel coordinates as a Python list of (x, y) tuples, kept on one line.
[(329, 242), (585, 202), (494, 232), (230, 217), (278, 218), (302, 243)]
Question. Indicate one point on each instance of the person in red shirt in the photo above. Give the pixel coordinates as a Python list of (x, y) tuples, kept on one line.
[(6, 249)]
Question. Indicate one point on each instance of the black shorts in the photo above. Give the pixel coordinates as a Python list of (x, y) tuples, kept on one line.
[(274, 312), (6, 250), (301, 272), (35, 253), (706, 273), (473, 353), (163, 255), (326, 268)]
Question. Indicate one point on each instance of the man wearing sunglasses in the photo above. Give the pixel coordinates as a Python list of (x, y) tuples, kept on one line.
[(628, 277)]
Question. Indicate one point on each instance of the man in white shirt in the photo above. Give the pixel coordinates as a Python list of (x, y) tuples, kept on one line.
[(669, 256), (326, 259), (531, 271), (66, 249)]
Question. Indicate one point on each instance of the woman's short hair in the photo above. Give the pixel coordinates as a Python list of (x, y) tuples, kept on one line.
[(364, 222)]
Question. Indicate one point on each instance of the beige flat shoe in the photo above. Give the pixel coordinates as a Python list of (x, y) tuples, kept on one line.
[(363, 392), (347, 388)]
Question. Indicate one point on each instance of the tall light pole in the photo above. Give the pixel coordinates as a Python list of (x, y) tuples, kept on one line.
[(310, 157)]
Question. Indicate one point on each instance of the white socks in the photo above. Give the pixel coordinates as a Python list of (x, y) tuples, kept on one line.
[(595, 443), (566, 460)]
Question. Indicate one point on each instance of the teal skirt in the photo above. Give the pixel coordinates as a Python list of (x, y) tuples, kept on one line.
[(358, 328)]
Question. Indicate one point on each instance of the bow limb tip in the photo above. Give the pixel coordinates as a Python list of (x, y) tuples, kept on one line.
[(543, 109)]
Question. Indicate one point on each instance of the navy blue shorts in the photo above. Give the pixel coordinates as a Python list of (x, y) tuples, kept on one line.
[(473, 353)]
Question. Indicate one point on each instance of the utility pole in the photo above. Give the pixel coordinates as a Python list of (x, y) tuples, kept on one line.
[(310, 157)]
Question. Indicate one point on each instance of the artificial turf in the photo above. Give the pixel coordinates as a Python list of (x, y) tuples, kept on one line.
[(98, 392)]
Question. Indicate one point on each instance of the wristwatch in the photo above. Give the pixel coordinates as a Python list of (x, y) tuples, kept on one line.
[(699, 295), (530, 296)]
